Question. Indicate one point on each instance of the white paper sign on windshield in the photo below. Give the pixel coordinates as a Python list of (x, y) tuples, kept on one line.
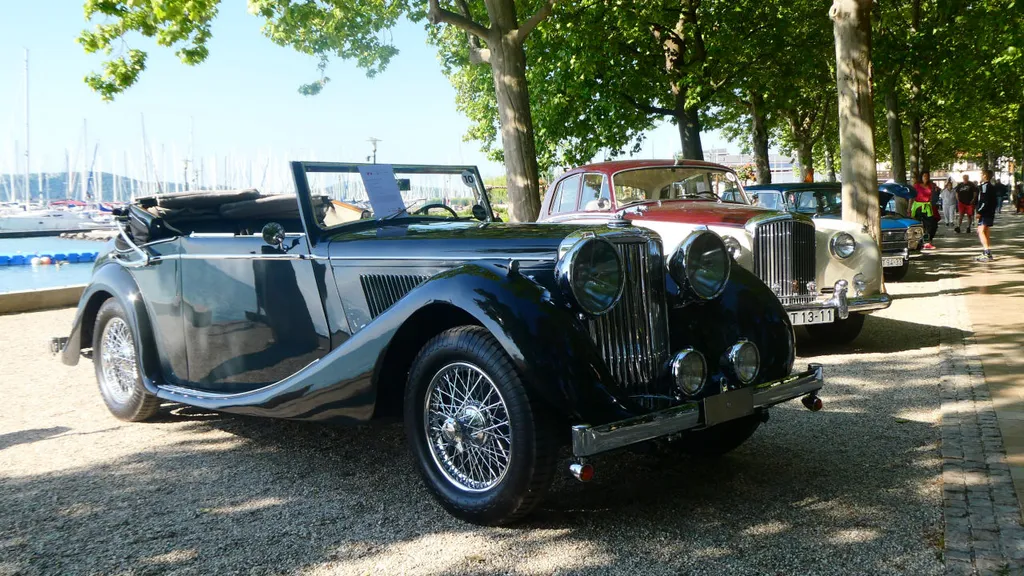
[(382, 189)]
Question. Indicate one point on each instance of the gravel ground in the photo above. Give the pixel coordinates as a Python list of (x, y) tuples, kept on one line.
[(854, 489)]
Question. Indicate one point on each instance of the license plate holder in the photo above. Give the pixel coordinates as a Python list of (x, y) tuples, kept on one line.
[(728, 406), (892, 261), (813, 316)]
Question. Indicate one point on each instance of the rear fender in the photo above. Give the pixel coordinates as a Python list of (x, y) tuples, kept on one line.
[(111, 280)]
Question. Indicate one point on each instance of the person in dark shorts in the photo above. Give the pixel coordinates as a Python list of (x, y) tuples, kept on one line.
[(966, 198), (988, 201)]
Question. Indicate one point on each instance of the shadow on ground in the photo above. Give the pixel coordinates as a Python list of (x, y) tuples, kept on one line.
[(240, 494)]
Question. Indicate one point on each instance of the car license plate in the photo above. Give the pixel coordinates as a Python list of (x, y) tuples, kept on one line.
[(728, 406), (892, 262), (817, 316)]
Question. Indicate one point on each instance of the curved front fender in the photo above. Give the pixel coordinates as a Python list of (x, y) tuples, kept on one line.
[(745, 309), (548, 344)]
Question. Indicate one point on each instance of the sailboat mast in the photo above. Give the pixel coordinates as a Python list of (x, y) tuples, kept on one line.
[(28, 190)]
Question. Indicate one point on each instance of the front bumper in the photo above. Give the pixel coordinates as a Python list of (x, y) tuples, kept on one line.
[(589, 440), (842, 303)]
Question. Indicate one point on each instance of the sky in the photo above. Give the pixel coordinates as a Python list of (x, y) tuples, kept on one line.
[(242, 103)]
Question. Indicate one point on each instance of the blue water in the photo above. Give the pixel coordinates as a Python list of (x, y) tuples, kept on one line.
[(14, 278)]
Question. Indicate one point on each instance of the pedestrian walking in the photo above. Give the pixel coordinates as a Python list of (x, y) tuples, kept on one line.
[(966, 198), (924, 208), (1020, 198), (987, 202), (948, 198)]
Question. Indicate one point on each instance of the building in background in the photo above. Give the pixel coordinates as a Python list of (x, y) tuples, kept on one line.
[(783, 168)]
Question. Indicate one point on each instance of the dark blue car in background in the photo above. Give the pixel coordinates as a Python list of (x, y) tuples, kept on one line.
[(900, 235)]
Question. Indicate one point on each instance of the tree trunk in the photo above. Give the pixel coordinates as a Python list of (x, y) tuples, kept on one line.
[(852, 29), (915, 147), (895, 123), (508, 67), (759, 132), (805, 156), (688, 122), (915, 100), (830, 164)]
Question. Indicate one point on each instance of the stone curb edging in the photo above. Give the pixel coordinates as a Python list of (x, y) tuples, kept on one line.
[(983, 532), (43, 299)]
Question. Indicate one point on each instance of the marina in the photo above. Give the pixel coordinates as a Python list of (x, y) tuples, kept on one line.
[(34, 277)]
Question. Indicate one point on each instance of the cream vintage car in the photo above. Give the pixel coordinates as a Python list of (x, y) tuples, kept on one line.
[(828, 276)]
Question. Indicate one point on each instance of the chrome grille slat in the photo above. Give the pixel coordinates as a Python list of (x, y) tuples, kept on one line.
[(784, 258), (383, 290), (633, 335)]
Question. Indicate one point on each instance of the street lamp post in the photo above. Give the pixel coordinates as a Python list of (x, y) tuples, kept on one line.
[(373, 142)]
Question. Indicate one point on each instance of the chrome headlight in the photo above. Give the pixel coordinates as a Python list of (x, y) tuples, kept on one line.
[(842, 245), (732, 245), (689, 370), (915, 233), (590, 274), (701, 264), (744, 360)]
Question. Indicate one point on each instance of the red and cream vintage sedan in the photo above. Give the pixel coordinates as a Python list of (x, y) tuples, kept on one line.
[(826, 279)]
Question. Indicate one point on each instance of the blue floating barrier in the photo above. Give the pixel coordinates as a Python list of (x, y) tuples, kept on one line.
[(85, 257), (18, 260), (5, 260), (74, 258), (60, 257), (94, 256)]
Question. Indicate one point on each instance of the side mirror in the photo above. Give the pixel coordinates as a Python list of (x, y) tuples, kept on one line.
[(603, 204), (479, 213), (273, 234)]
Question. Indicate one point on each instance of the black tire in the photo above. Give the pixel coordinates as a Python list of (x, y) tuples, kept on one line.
[(838, 332), (532, 440), (897, 274), (129, 401), (719, 440)]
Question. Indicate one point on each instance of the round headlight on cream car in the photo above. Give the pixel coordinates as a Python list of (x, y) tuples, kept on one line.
[(701, 264), (689, 370), (744, 360), (733, 246), (590, 274), (842, 245)]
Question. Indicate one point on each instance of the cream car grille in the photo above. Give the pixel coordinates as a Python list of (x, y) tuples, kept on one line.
[(784, 258)]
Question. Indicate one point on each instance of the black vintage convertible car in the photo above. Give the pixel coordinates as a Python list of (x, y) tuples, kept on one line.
[(497, 343)]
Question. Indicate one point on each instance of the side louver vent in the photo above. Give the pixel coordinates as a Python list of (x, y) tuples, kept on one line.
[(383, 290)]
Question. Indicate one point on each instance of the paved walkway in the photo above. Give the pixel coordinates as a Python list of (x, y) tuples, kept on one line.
[(982, 399)]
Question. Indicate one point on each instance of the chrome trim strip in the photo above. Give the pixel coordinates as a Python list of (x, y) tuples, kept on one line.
[(771, 393), (589, 440), (504, 258)]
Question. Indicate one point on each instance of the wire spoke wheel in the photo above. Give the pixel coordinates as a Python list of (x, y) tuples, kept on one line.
[(467, 426), (117, 361)]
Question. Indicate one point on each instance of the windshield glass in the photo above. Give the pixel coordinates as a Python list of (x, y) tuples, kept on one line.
[(677, 183), (771, 199), (816, 201), (351, 192)]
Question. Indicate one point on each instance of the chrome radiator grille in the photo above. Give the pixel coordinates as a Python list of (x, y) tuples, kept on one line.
[(894, 240), (383, 290), (784, 258), (633, 335)]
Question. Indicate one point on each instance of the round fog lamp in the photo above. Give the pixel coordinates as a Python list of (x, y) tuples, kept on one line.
[(859, 284), (745, 360), (688, 371)]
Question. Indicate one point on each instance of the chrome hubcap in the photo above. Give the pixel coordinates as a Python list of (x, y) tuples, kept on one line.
[(467, 427), (117, 361)]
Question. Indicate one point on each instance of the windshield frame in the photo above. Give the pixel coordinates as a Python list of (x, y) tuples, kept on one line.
[(300, 169), (705, 168)]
